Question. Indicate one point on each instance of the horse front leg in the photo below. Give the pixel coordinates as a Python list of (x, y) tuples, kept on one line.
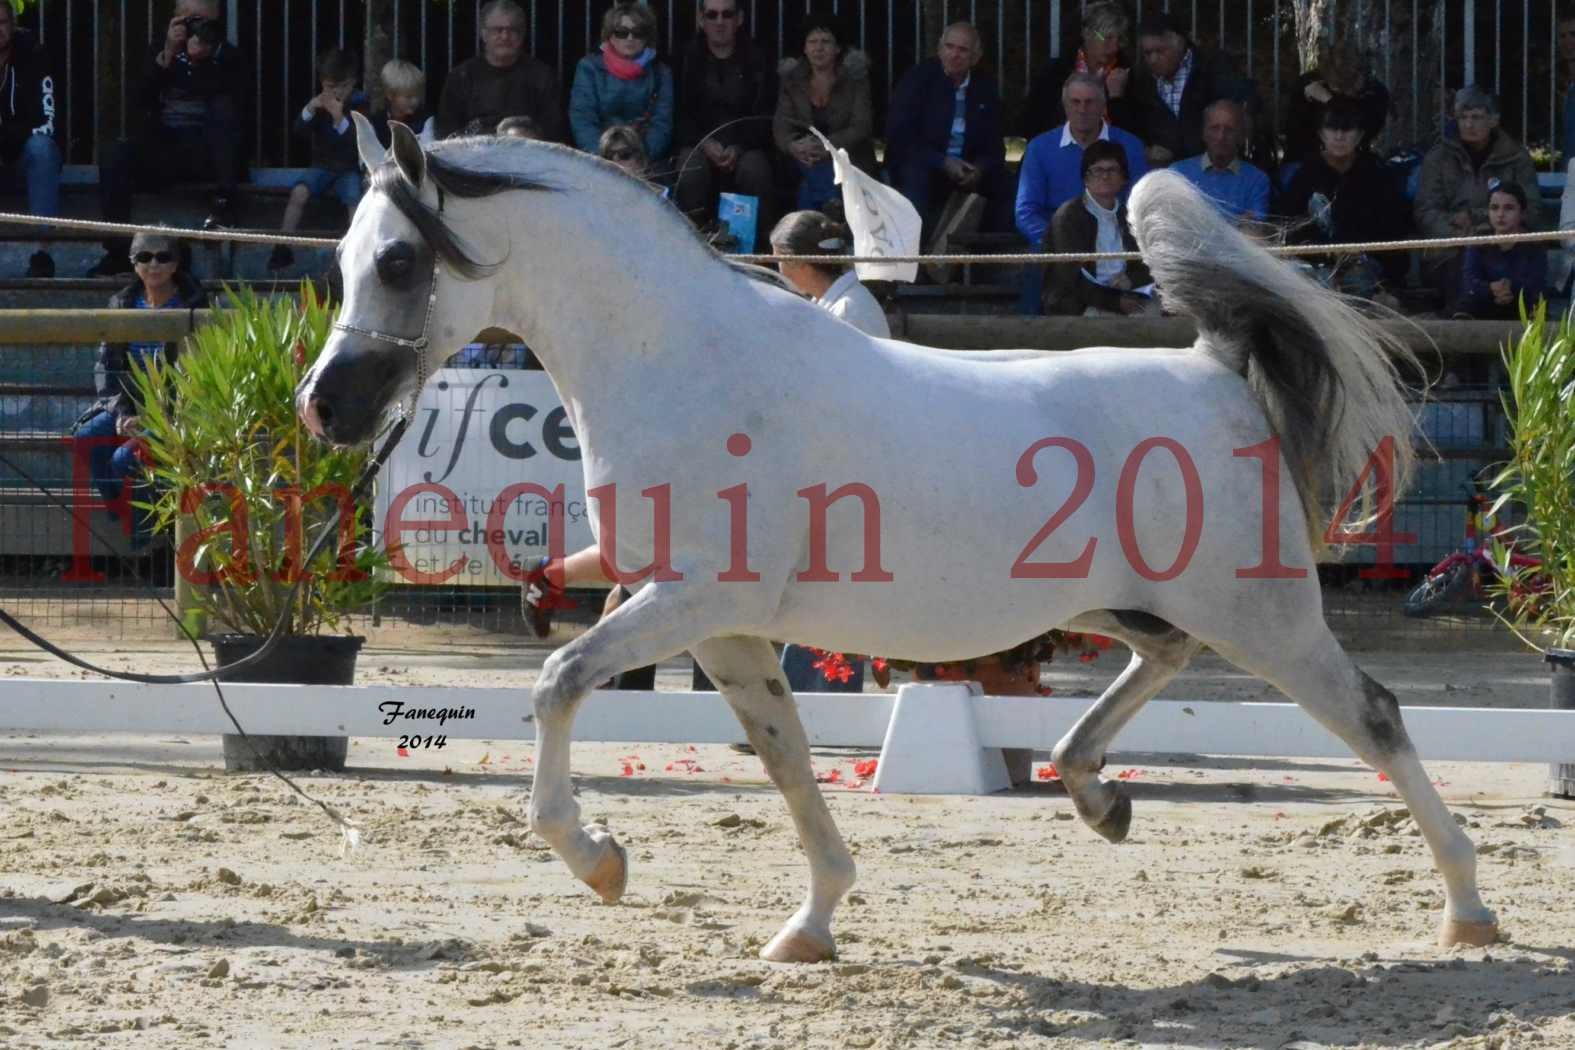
[(658, 621), (747, 673)]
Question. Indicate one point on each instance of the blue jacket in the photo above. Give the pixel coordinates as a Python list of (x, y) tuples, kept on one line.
[(1052, 175), (920, 124), (1526, 266), (599, 100)]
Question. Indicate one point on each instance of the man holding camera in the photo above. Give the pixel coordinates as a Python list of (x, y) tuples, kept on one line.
[(192, 93)]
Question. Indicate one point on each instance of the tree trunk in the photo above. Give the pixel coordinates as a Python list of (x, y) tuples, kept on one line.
[(379, 44), (1355, 30)]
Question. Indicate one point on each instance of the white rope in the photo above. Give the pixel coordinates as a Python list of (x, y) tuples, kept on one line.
[(1008, 259)]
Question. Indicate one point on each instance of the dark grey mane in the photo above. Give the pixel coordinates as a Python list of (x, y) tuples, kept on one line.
[(455, 179)]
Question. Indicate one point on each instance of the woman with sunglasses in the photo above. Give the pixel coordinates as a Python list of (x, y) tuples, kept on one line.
[(624, 83), (829, 90), (622, 145), (162, 283)]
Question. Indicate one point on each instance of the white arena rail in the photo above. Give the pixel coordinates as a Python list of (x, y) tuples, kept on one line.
[(934, 739)]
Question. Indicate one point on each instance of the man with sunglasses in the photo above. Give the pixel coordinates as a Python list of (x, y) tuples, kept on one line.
[(502, 81), (726, 95)]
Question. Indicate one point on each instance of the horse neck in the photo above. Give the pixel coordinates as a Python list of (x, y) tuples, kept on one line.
[(622, 293)]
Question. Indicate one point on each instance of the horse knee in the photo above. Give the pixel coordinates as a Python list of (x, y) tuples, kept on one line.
[(1380, 717), (562, 682)]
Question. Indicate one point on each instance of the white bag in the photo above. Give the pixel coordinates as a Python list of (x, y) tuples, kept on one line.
[(883, 221)]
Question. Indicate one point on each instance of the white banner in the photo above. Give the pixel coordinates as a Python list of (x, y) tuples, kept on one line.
[(883, 221), (463, 493)]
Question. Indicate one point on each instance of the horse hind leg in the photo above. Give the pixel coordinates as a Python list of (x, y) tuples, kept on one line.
[(746, 672), (1328, 685), (1159, 652)]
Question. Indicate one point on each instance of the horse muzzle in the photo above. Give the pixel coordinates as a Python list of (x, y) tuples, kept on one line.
[(344, 397)]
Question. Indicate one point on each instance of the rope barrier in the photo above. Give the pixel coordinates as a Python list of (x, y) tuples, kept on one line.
[(998, 259)]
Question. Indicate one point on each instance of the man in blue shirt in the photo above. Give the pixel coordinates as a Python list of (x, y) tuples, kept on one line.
[(944, 133), (1052, 165), (1239, 190)]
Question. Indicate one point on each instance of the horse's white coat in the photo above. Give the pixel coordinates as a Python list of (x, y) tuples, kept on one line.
[(662, 353)]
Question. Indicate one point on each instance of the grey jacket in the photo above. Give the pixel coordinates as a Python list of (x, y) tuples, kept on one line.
[(850, 115), (1449, 185)]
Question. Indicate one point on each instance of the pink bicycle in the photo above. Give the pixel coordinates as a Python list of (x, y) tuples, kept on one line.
[(1465, 571)]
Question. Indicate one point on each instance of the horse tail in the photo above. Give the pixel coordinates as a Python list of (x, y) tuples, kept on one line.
[(1328, 378)]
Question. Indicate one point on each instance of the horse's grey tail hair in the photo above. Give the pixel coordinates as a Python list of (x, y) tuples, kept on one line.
[(1328, 378)]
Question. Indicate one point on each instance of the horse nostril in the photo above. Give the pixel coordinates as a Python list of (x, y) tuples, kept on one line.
[(319, 414)]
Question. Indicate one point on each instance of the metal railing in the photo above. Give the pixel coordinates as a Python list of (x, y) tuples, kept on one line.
[(98, 48)]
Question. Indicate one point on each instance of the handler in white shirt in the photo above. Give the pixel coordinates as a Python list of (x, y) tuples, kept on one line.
[(834, 287)]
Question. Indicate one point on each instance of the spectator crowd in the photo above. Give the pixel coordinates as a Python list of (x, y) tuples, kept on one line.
[(719, 116)]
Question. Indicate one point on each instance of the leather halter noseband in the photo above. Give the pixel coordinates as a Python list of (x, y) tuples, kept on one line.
[(418, 345)]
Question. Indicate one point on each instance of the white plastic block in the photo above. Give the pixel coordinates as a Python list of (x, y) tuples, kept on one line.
[(932, 745)]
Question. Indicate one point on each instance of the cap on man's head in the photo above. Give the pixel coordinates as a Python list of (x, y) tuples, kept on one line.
[(1160, 23)]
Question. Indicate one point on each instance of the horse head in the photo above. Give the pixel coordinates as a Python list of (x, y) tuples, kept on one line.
[(411, 297)]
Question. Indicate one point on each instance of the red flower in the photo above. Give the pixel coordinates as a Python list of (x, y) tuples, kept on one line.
[(300, 354), (834, 777), (1048, 772), (866, 768), (404, 752)]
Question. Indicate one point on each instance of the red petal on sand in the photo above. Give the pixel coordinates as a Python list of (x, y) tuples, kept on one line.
[(404, 752), (1048, 772), (1129, 774), (834, 777), (866, 768), (1383, 778), (628, 770)]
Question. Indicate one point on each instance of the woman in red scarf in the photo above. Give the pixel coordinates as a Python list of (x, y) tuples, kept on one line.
[(624, 83)]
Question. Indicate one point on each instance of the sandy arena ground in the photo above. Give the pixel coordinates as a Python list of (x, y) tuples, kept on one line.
[(149, 900)]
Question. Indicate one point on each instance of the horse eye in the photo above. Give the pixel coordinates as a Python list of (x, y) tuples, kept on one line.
[(395, 263)]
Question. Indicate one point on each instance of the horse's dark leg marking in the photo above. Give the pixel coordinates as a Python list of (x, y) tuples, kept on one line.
[(774, 687), (1159, 651), (1381, 717)]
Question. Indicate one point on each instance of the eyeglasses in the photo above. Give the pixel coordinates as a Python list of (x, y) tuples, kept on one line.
[(717, 16), (504, 31), (625, 32), (143, 258), (619, 156), (1105, 171)]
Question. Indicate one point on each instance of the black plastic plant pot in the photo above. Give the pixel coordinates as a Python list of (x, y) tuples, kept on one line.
[(297, 660)]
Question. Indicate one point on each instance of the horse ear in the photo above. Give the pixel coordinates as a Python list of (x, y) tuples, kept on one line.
[(407, 153), (371, 150)]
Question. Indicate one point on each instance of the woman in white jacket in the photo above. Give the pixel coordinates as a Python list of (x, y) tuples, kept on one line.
[(833, 286)]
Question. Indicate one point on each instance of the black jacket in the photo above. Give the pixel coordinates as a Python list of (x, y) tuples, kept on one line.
[(112, 376), (176, 94), (1210, 80), (1042, 109), (920, 125), (710, 92), (333, 150), (1364, 205), (1304, 116), (27, 97), (1067, 291)]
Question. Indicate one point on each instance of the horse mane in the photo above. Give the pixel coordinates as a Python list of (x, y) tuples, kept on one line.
[(452, 176)]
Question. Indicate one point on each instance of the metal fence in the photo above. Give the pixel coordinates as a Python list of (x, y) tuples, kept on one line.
[(98, 46)]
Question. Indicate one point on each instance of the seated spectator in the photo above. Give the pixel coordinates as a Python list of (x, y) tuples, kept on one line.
[(502, 81), (1344, 194), (944, 132), (828, 89), (726, 91), (193, 90), (111, 425), (1497, 276), (624, 83), (1452, 198), (519, 128), (405, 101), (28, 151), (1169, 93), (834, 287), (623, 145), (1097, 222), (1338, 74), (1239, 190), (336, 163), (1052, 170), (1105, 28)]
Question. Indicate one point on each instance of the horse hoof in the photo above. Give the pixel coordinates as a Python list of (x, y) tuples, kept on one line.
[(1117, 819), (799, 946), (1470, 934), (611, 873)]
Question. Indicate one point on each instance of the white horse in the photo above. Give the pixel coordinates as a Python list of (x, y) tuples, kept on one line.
[(737, 407)]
